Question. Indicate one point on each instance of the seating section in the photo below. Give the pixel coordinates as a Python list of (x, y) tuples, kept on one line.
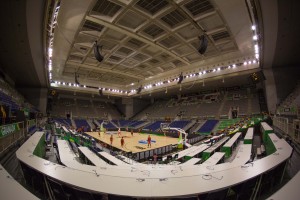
[(227, 123), (188, 106), (245, 102), (66, 122), (11, 101), (290, 104), (109, 125), (83, 108), (7, 100), (208, 126), (179, 124), (124, 123), (154, 126), (204, 106), (82, 123), (136, 124)]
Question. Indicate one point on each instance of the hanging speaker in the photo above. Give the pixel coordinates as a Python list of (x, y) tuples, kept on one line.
[(101, 92), (97, 53), (203, 44), (180, 78), (76, 79)]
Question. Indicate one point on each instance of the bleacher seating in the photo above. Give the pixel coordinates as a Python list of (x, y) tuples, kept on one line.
[(179, 124), (135, 124), (290, 104), (109, 125), (66, 122), (208, 126), (7, 100), (124, 123), (82, 123), (154, 126), (227, 122), (83, 108)]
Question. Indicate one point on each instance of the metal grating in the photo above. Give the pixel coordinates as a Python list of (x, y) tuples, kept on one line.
[(124, 51), (154, 61), (140, 57), (131, 20), (107, 45), (220, 35), (135, 43), (178, 63), (78, 50), (188, 32), (130, 63), (153, 30), (229, 46), (167, 67), (114, 35), (115, 58), (182, 50), (165, 56), (105, 7), (212, 22), (89, 25), (174, 18), (197, 7), (169, 41), (152, 6), (95, 75), (69, 69), (142, 66), (75, 58), (91, 61), (193, 57)]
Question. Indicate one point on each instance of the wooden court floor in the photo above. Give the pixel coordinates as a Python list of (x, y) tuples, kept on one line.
[(131, 143)]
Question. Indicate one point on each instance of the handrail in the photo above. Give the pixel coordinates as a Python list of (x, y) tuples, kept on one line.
[(290, 129), (10, 134)]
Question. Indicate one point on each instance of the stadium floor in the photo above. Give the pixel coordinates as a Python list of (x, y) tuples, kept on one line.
[(134, 143)]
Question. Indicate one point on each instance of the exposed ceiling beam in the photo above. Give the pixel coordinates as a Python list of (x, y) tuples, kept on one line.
[(104, 70), (134, 35)]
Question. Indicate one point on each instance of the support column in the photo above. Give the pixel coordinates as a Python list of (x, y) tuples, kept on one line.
[(270, 90)]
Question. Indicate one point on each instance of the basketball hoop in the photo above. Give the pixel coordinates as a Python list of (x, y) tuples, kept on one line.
[(164, 126)]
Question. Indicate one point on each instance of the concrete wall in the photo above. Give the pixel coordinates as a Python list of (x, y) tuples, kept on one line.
[(286, 79), (37, 97), (131, 106)]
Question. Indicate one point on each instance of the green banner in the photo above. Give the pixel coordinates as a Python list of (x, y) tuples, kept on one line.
[(8, 129)]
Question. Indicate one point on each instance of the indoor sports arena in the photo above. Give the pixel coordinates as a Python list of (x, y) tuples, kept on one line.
[(149, 100)]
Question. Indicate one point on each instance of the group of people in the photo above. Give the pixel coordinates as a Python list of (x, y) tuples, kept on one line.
[(123, 141)]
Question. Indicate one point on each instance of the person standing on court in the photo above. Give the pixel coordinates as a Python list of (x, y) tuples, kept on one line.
[(111, 140), (122, 142), (131, 132), (119, 132), (149, 141)]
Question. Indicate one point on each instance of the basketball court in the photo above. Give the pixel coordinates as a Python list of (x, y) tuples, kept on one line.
[(136, 143)]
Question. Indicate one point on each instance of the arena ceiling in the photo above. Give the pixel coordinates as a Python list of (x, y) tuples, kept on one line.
[(145, 42), (139, 41)]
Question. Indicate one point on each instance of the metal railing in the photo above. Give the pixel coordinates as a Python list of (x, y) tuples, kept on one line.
[(289, 128), (11, 134)]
